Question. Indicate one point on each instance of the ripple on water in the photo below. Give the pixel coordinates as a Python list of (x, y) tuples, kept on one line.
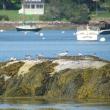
[(54, 107)]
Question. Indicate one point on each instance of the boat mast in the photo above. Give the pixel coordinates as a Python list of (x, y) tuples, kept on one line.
[(23, 6)]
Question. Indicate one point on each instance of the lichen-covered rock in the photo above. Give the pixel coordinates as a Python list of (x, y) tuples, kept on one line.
[(65, 84), (10, 68), (2, 85), (98, 84), (31, 84), (82, 83)]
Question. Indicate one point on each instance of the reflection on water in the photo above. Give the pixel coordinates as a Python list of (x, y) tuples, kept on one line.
[(30, 104)]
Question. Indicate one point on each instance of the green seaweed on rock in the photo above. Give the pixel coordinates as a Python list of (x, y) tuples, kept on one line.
[(89, 83)]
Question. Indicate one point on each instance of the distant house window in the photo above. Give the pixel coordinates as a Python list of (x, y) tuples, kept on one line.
[(33, 6), (39, 6), (26, 6)]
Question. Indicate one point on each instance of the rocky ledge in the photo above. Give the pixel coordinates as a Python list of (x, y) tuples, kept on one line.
[(75, 77)]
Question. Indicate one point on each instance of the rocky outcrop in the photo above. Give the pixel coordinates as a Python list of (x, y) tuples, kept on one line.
[(87, 78)]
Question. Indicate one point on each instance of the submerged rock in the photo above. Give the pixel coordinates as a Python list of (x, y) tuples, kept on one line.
[(52, 78)]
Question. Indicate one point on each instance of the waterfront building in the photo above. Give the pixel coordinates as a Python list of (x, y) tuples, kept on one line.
[(32, 7)]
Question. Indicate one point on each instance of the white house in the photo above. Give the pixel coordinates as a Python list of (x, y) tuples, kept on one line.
[(31, 7)]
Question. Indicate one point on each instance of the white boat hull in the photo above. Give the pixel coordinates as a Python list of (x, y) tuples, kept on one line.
[(90, 34), (87, 35)]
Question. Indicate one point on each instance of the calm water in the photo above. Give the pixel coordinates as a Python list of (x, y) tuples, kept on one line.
[(49, 43), (30, 104)]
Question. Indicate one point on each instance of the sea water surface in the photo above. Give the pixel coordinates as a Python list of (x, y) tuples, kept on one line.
[(42, 104), (49, 43)]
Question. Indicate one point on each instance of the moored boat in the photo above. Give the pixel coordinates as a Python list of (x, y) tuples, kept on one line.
[(30, 7), (104, 27), (28, 28), (105, 31), (87, 34)]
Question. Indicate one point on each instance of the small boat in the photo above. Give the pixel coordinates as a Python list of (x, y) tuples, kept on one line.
[(105, 31), (104, 28), (87, 34), (30, 7), (28, 28)]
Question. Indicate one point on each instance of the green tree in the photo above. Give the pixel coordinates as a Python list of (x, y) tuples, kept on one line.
[(8, 3), (107, 4), (72, 10)]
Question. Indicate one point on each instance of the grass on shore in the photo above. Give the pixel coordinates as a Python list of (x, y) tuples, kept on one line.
[(14, 16), (100, 15)]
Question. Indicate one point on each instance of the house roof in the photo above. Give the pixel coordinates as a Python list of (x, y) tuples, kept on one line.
[(34, 1)]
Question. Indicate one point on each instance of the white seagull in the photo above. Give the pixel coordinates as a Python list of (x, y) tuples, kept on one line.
[(63, 54)]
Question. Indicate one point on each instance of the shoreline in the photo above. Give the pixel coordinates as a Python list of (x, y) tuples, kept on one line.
[(45, 25), (68, 57), (58, 100)]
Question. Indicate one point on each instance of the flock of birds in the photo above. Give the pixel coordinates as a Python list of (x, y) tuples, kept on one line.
[(41, 34), (29, 57)]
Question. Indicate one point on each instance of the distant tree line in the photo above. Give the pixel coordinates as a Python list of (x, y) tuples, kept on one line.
[(76, 11), (72, 10)]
